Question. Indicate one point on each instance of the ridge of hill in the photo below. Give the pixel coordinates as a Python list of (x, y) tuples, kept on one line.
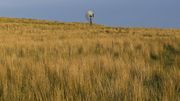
[(44, 60)]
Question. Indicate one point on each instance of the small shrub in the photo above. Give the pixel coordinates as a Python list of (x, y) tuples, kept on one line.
[(168, 56), (80, 50), (116, 55), (154, 56), (155, 84), (177, 89)]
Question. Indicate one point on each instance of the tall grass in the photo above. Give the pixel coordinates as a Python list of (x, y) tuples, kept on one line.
[(50, 61)]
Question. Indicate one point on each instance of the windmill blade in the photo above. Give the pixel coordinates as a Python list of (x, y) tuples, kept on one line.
[(90, 13)]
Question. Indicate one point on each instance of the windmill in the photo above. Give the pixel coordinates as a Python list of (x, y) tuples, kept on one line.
[(90, 16)]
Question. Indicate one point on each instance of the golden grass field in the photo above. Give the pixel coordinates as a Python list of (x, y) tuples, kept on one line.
[(53, 61)]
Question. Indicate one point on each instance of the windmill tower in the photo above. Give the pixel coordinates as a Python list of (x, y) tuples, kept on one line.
[(90, 16)]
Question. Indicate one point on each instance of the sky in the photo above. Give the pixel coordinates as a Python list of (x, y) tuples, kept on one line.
[(120, 13)]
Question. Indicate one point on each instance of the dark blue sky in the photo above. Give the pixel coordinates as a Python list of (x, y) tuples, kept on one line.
[(138, 13)]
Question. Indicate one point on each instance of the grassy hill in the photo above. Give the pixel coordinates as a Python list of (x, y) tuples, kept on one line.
[(53, 61)]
